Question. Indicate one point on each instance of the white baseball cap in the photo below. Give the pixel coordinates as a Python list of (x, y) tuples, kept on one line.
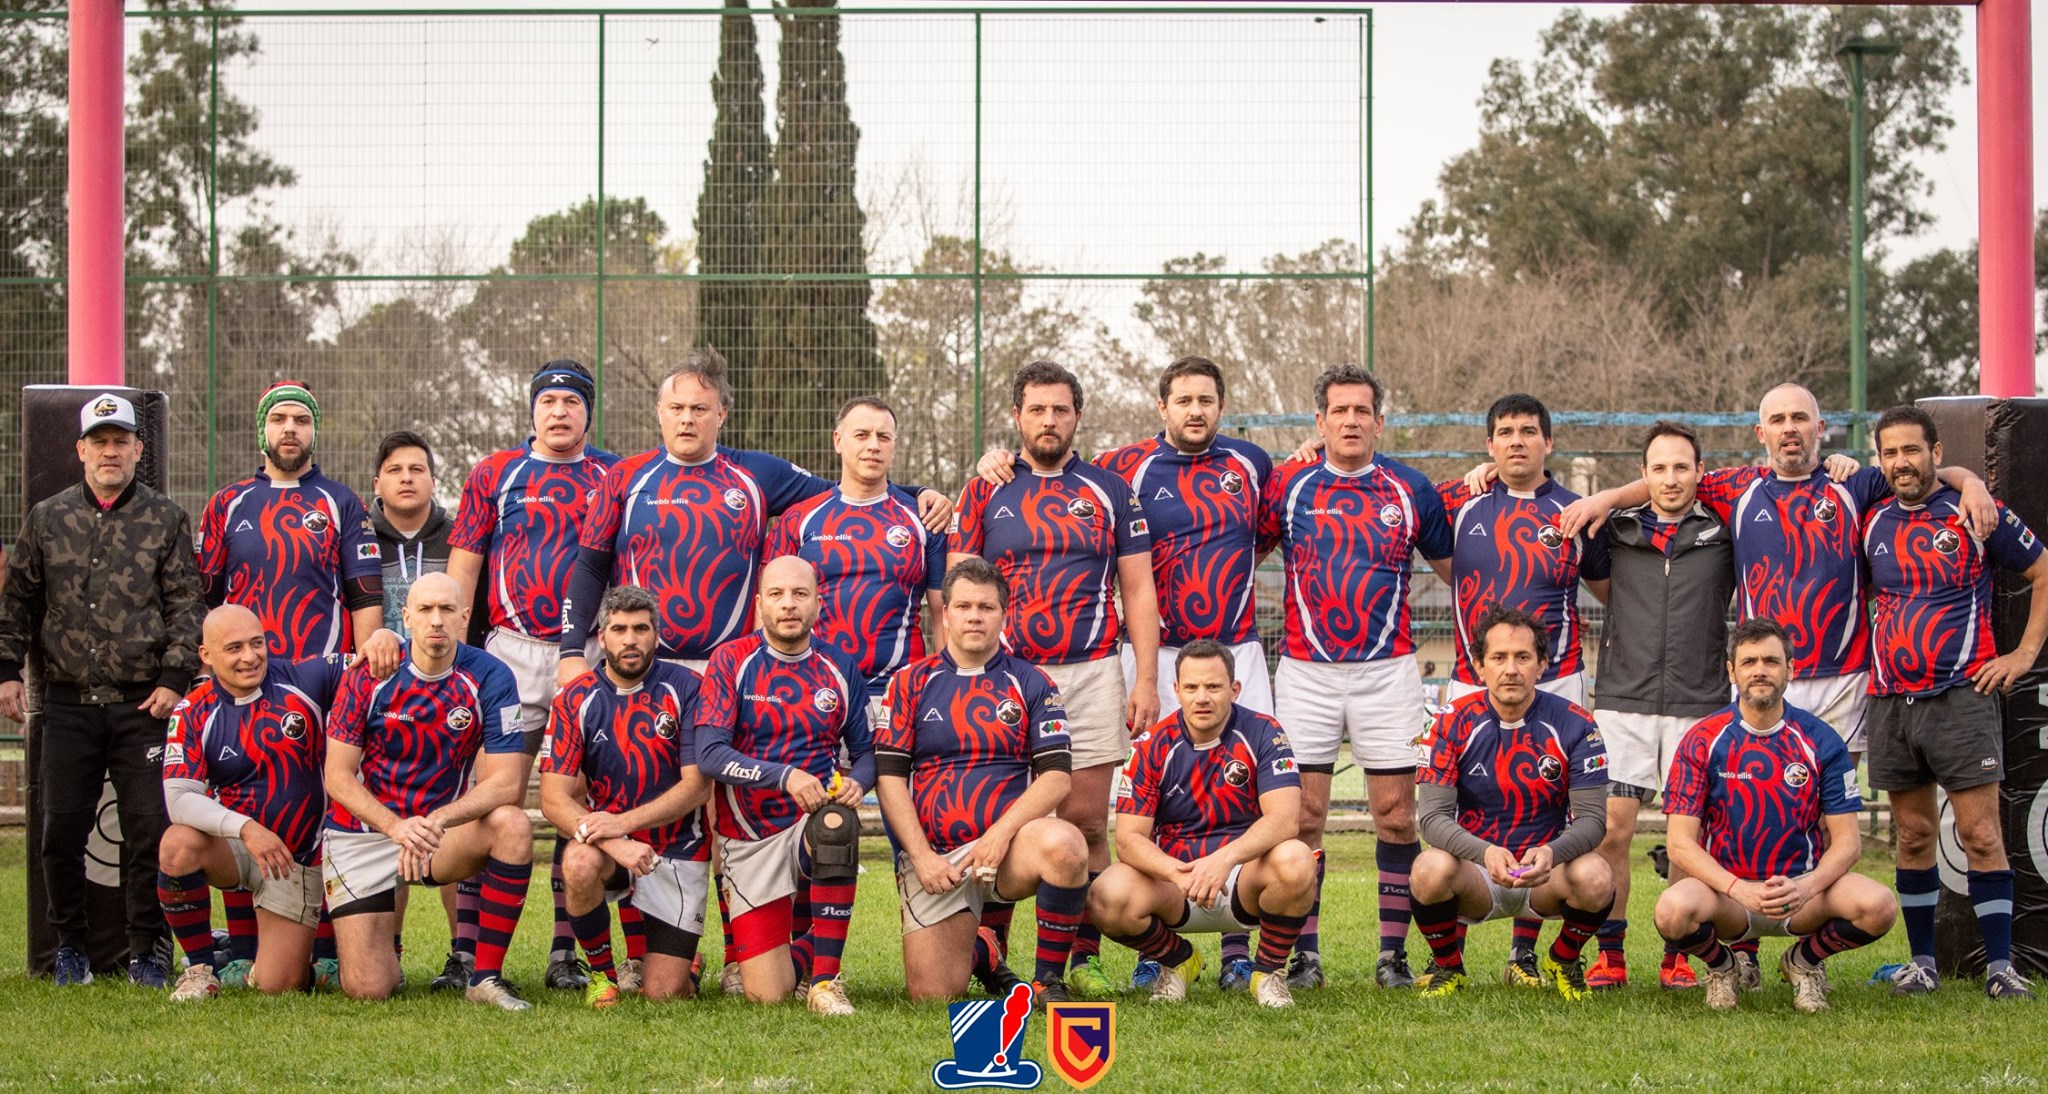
[(106, 409)]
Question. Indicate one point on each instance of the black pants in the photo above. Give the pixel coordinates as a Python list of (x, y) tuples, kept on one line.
[(83, 747)]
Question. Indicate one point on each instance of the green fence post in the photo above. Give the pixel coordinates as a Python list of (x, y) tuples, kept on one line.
[(212, 256), (597, 363), (976, 452)]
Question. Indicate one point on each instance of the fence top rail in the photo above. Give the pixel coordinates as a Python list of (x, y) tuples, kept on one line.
[(502, 12)]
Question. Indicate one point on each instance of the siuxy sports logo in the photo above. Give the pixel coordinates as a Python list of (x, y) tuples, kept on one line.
[(1080, 1041), (988, 1044)]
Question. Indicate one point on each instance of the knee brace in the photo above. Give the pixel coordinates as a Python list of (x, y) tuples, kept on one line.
[(835, 847)]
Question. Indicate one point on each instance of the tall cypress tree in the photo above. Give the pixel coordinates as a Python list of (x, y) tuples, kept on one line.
[(736, 175), (818, 344)]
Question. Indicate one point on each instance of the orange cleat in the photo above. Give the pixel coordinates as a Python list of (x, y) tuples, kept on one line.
[(1609, 971), (1675, 974)]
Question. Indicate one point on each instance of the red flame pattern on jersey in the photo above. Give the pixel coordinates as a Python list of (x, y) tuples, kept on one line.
[(1932, 587), (1202, 798), (1509, 551), (283, 551), (876, 561), (631, 748), (1760, 796), (1202, 511), (1514, 782), (420, 737), (525, 515)]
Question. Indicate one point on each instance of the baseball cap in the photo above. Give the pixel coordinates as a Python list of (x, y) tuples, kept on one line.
[(106, 409)]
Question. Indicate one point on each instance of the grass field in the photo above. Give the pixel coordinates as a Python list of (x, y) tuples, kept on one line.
[(1346, 1037)]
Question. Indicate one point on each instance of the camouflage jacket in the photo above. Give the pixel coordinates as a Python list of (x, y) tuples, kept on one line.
[(111, 597)]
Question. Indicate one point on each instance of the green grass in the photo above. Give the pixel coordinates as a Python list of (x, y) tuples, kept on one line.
[(1346, 1037)]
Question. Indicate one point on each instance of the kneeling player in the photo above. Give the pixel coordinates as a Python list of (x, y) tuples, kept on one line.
[(1207, 810), (398, 756), (620, 777), (1755, 794), (969, 765), (242, 792), (777, 708), (1513, 803)]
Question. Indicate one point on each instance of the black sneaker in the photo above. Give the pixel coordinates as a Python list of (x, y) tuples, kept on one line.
[(999, 980), (1054, 991), (454, 974), (565, 973), (1392, 970), (1305, 970), (148, 971), (2007, 983)]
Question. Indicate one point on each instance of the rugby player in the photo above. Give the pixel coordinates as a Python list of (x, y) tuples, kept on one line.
[(1207, 810), (1513, 808), (1762, 804)]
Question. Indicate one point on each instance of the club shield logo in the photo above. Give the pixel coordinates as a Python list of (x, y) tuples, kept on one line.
[(1080, 1041)]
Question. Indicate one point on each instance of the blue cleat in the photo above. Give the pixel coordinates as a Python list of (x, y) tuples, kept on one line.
[(1146, 976), (1235, 975), (71, 968)]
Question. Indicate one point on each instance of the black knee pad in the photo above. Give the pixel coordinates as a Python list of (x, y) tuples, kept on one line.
[(670, 941), (835, 848)]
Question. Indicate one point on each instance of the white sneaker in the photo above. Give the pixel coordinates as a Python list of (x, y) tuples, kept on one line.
[(828, 997), (629, 976), (1809, 987), (729, 979), (197, 985), (1174, 980), (1270, 990), (1724, 986), (496, 992)]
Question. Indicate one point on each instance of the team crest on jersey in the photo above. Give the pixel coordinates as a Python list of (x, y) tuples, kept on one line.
[(294, 725), (1009, 713), (1947, 541), (1549, 769), (459, 719), (735, 499), (1081, 507), (1550, 537), (1825, 511), (315, 522), (897, 535), (1796, 775), (827, 700), (665, 726), (1237, 774), (1233, 483), (1390, 515)]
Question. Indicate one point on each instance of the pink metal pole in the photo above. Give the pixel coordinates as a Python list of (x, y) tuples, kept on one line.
[(2005, 200), (96, 279)]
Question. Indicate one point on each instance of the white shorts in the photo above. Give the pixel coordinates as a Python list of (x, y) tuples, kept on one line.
[(1221, 919), (761, 871), (1765, 927), (1093, 693), (357, 866), (1508, 903), (1837, 700), (296, 897), (1640, 746), (921, 909), (1571, 688), (1378, 704), (1250, 659), (674, 892)]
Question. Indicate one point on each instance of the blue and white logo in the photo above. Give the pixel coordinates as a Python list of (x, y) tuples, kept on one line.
[(988, 1045)]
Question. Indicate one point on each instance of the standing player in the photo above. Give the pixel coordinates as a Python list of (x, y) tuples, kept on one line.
[(400, 756), (621, 774), (1934, 711), (1512, 808), (242, 791), (1207, 811), (1346, 526), (778, 708), (970, 762), (1762, 807), (1663, 656), (1068, 538), (517, 526)]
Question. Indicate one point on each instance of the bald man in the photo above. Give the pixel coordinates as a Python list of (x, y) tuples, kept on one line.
[(775, 711), (403, 808), (243, 795)]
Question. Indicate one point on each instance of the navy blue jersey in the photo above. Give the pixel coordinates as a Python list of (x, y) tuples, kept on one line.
[(1201, 798), (631, 747), (763, 713), (1515, 781), (420, 736), (1760, 797)]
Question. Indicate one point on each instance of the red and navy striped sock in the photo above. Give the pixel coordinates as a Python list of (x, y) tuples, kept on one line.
[(802, 946), (1527, 933), (724, 916), (1308, 941), (831, 914), (1440, 928), (1060, 912), (188, 908), (323, 938), (634, 927), (469, 901), (1394, 861), (504, 895), (1237, 945), (240, 906), (1707, 946), (1579, 925), (996, 916), (594, 931), (1613, 934), (1088, 938), (565, 935), (1276, 940), (1835, 936), (1749, 946), (1158, 942)]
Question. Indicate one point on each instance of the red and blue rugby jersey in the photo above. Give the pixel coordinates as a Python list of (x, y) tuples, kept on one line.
[(876, 561), (764, 712), (261, 755), (1931, 584), (1202, 798), (1760, 796), (1057, 539), (1346, 538), (631, 747), (1798, 559), (692, 534), (970, 736), (1515, 781), (524, 513), (420, 735), (1202, 510), (282, 550), (1509, 551)]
